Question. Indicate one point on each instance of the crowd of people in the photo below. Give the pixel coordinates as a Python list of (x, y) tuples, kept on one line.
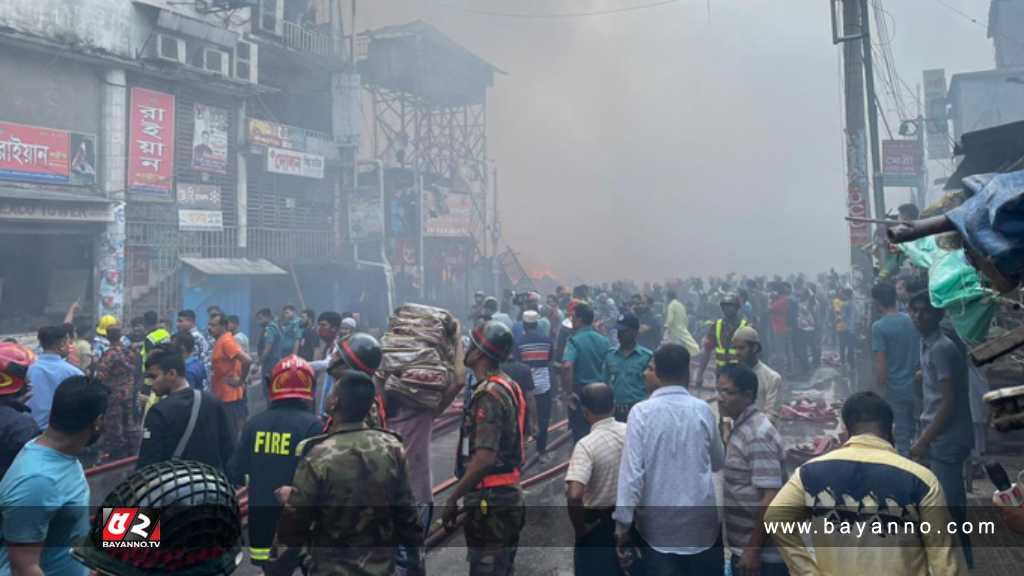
[(339, 473)]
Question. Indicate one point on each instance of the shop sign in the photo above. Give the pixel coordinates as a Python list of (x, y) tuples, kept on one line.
[(276, 135), (151, 145), (13, 209), (365, 215), (446, 215), (291, 163), (210, 139), (46, 155), (199, 207), (200, 220), (901, 157)]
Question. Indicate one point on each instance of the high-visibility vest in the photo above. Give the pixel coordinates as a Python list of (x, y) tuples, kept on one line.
[(723, 355)]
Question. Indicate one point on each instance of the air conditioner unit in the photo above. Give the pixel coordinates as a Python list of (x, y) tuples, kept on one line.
[(216, 61), (247, 62), (170, 48), (268, 17)]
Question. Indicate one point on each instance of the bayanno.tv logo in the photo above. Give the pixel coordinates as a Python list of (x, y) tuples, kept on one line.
[(131, 528)]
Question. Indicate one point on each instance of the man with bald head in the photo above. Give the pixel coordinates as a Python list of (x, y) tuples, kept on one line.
[(591, 482)]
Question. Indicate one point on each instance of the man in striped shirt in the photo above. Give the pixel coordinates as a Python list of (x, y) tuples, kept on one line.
[(533, 348), (752, 475)]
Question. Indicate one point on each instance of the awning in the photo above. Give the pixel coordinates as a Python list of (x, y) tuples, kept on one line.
[(42, 193), (234, 267)]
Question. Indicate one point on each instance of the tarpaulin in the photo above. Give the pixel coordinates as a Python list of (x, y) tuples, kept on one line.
[(992, 220)]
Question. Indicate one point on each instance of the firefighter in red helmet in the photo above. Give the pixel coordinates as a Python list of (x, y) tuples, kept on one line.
[(16, 424), (268, 453)]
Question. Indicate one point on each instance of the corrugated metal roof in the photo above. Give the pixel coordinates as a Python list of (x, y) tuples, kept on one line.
[(234, 266)]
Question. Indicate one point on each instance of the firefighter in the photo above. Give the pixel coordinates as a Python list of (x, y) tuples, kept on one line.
[(360, 352), (17, 426), (268, 453), (490, 457)]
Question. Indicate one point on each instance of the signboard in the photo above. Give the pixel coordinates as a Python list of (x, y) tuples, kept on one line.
[(210, 139), (365, 215), (291, 163), (276, 135), (47, 156), (936, 119), (446, 215), (199, 207), (901, 157), (16, 209), (151, 145)]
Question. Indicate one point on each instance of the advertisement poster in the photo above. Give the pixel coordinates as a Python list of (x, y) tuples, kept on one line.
[(276, 135), (291, 163), (365, 215), (151, 145), (199, 207), (901, 157), (446, 215), (210, 139), (46, 156)]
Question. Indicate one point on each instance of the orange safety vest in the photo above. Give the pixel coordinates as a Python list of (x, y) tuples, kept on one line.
[(508, 474)]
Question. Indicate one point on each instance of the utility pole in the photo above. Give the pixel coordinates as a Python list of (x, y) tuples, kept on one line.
[(856, 44), (877, 186), (495, 235)]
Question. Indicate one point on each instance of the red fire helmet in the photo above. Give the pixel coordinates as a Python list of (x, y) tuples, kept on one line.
[(293, 377)]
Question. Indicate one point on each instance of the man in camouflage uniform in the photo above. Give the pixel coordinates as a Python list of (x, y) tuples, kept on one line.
[(117, 368), (350, 502), (490, 457)]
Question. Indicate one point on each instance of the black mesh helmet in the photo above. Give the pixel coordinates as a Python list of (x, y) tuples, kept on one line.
[(494, 339), (361, 351), (192, 514)]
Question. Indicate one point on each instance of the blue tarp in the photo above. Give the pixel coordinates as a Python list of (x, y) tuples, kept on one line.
[(992, 220)]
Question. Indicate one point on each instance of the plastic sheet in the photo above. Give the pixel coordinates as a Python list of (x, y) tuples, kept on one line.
[(992, 220), (954, 286)]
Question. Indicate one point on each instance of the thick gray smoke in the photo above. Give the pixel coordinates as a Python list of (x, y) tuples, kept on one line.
[(668, 142)]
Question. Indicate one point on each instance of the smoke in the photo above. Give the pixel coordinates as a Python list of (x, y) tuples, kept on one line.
[(667, 142)]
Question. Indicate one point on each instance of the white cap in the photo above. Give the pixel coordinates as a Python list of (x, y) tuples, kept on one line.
[(349, 322), (531, 317)]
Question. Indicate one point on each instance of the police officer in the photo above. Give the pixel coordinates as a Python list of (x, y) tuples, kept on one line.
[(350, 502), (17, 426), (360, 352), (490, 457), (718, 341), (268, 453)]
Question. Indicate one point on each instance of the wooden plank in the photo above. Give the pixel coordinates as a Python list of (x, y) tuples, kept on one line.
[(998, 347)]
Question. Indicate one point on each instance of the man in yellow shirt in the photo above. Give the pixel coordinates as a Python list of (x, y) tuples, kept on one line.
[(867, 509)]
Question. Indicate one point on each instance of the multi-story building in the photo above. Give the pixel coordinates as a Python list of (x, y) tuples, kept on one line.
[(156, 154)]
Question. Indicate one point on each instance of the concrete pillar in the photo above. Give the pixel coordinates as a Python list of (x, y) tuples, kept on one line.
[(242, 183), (110, 256)]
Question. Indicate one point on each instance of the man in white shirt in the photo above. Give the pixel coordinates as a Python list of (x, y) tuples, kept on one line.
[(666, 488), (747, 343), (591, 484)]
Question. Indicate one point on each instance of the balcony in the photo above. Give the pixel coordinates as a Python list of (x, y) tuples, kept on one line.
[(302, 39)]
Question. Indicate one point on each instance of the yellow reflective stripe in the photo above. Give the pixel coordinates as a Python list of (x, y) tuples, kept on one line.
[(724, 355), (259, 554)]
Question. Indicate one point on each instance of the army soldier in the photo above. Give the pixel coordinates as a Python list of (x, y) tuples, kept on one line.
[(360, 352), (352, 485), (490, 456), (268, 453)]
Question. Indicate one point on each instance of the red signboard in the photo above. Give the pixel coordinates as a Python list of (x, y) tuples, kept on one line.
[(33, 154), (901, 157), (151, 146)]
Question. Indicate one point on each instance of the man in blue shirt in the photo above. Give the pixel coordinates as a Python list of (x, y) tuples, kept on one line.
[(895, 345), (583, 363), (269, 347), (44, 497), (49, 370)]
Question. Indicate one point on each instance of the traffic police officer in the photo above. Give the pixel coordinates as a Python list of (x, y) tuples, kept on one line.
[(268, 454), (350, 502), (490, 457), (718, 341)]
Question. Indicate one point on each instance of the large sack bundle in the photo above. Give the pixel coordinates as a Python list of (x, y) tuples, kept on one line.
[(419, 352)]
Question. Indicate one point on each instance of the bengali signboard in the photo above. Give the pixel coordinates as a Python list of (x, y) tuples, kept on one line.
[(901, 157), (276, 135), (937, 119), (365, 215), (151, 145), (46, 155), (199, 207), (210, 139), (446, 215), (292, 163)]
